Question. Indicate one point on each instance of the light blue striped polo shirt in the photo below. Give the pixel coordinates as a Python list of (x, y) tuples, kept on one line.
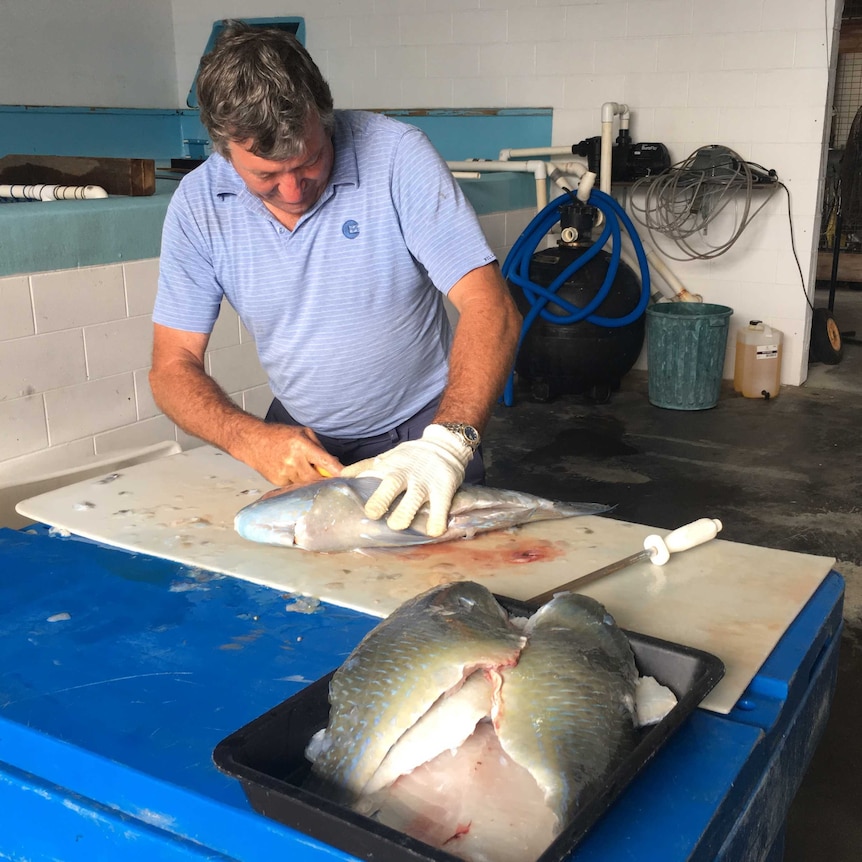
[(346, 310)]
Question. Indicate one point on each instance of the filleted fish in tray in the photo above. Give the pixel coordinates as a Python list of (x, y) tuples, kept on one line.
[(468, 726)]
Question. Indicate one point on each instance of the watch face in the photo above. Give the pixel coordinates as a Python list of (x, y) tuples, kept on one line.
[(466, 432)]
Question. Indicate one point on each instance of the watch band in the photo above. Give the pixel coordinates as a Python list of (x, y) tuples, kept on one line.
[(467, 434)]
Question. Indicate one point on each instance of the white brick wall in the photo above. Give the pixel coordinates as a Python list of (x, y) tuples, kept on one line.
[(75, 349)]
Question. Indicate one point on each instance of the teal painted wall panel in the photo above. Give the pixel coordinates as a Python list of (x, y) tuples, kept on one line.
[(481, 133), (500, 192), (46, 236), (106, 132), (40, 237), (161, 134)]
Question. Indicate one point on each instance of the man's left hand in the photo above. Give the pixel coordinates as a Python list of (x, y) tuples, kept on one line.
[(430, 470)]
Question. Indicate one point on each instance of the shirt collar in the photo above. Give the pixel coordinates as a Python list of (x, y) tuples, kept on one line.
[(344, 169), (226, 180)]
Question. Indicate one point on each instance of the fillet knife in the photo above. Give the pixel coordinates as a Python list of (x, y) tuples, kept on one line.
[(656, 549)]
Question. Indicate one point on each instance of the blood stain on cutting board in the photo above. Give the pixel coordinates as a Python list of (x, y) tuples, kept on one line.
[(424, 566), (472, 553)]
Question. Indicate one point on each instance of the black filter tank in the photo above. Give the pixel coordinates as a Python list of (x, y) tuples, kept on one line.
[(579, 358)]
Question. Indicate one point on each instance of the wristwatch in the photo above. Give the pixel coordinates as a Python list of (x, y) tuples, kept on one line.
[(467, 434)]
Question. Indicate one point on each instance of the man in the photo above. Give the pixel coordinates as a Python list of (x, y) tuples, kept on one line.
[(334, 235)]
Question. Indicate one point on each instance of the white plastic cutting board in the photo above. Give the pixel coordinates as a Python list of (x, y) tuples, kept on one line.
[(730, 599)]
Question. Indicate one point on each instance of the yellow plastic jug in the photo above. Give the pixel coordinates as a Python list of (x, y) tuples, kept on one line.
[(757, 367)]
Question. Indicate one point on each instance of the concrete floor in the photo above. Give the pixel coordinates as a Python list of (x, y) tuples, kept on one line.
[(783, 473)]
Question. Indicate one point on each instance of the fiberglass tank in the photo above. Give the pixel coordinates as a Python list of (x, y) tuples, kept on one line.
[(581, 357)]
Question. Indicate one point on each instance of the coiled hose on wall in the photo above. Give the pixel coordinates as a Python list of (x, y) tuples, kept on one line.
[(516, 269)]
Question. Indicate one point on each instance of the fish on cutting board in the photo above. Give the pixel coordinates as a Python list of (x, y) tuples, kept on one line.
[(475, 732), (329, 516)]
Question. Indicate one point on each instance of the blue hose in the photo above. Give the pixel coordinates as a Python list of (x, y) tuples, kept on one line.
[(517, 270)]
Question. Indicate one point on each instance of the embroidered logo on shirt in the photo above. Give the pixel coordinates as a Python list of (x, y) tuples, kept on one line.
[(350, 229)]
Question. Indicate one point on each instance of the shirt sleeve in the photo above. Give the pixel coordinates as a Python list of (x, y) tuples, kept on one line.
[(189, 295), (439, 225)]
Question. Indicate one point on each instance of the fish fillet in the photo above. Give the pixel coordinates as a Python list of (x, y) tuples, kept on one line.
[(449, 722), (424, 649), (474, 802)]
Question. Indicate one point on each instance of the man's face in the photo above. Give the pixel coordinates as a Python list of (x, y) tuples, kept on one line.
[(292, 186)]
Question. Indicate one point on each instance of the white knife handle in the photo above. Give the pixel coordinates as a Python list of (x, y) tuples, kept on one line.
[(681, 539)]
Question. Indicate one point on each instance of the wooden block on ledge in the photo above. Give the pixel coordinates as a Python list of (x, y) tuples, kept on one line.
[(135, 177)]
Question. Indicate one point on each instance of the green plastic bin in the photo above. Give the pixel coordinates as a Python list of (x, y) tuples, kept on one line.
[(686, 344)]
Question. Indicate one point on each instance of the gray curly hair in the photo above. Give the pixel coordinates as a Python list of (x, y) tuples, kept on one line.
[(261, 85)]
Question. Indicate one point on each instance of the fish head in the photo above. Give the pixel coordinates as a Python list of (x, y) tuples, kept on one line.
[(573, 610), (337, 520), (463, 599), (274, 517), (327, 515), (587, 620)]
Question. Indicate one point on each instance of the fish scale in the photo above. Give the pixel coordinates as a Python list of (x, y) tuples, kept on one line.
[(424, 649), (569, 728)]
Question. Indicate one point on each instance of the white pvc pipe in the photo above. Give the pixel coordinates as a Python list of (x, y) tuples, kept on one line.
[(609, 109), (505, 155), (560, 172), (538, 168), (678, 289), (606, 155), (577, 169), (46, 192)]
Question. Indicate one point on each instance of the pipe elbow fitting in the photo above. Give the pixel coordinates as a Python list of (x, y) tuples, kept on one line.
[(611, 108), (574, 169), (585, 186)]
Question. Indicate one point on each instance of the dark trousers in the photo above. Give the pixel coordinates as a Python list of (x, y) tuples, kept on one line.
[(350, 450)]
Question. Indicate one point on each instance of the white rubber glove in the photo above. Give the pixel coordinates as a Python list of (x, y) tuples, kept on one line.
[(430, 470)]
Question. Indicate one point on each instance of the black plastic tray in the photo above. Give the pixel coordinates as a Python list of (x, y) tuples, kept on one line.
[(267, 757)]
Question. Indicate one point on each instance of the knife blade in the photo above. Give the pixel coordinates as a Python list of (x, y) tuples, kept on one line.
[(656, 549)]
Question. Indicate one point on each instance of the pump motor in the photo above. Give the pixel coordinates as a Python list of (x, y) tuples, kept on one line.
[(628, 161)]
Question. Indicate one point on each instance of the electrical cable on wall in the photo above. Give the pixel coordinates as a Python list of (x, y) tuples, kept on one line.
[(685, 200), (793, 246)]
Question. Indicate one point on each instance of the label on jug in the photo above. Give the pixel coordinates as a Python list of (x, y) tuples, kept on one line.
[(766, 351)]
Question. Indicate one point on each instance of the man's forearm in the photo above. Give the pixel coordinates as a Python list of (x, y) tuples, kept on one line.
[(188, 396), (482, 355)]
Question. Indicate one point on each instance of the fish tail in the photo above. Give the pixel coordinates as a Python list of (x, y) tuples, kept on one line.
[(559, 509)]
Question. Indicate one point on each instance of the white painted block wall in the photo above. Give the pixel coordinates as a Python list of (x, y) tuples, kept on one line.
[(90, 53), (75, 351)]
